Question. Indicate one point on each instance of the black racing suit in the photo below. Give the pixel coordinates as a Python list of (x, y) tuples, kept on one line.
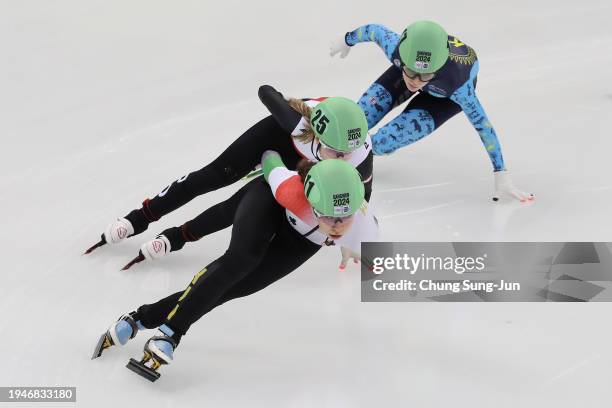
[(242, 156), (263, 248)]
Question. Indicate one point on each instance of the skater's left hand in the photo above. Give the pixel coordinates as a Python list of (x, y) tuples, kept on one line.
[(505, 186), (346, 255), (339, 46)]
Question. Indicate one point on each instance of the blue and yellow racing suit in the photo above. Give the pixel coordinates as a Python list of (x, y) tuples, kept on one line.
[(452, 90)]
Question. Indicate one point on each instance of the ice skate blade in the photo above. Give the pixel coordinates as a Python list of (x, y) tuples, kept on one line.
[(134, 261), (142, 370), (99, 347), (96, 245)]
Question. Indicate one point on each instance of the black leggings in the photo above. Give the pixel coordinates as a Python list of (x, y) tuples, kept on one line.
[(263, 248), (213, 219), (242, 156)]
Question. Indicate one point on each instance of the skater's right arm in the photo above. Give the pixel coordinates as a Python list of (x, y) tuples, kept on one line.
[(287, 117), (386, 39)]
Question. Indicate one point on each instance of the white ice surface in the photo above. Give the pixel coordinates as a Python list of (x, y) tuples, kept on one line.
[(103, 103)]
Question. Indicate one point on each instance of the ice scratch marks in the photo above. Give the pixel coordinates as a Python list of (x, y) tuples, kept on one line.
[(393, 190), (421, 210), (571, 369)]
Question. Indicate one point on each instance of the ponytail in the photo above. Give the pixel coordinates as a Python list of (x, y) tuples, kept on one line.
[(303, 109), (303, 167)]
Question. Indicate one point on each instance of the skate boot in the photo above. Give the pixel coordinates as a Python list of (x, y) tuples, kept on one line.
[(116, 232), (151, 250), (158, 350), (118, 334)]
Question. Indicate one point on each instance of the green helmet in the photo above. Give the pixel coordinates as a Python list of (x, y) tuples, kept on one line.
[(334, 188), (340, 124), (423, 47)]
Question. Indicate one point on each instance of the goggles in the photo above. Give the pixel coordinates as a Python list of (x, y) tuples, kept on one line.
[(331, 220), (413, 75), (339, 154)]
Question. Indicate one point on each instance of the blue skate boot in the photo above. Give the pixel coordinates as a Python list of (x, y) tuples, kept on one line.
[(118, 334), (158, 350)]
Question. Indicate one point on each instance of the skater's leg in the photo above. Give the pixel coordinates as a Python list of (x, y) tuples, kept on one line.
[(242, 156), (287, 252), (423, 115), (153, 315), (214, 219), (256, 221), (387, 92)]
